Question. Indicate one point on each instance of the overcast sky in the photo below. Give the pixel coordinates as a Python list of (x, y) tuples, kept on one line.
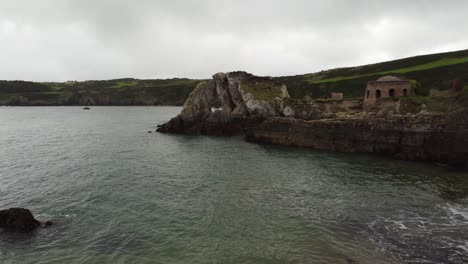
[(57, 40)]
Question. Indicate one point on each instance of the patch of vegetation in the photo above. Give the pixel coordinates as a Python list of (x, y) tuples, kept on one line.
[(119, 85), (54, 86), (114, 92), (439, 104), (428, 72), (412, 104), (462, 98), (262, 90), (427, 66), (442, 104), (415, 99)]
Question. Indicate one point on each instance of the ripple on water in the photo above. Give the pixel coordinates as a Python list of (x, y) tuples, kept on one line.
[(424, 237), (120, 195)]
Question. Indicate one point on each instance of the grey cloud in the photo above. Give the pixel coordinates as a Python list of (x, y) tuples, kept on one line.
[(101, 39)]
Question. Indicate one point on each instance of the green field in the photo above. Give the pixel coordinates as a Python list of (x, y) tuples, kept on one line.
[(434, 71), (108, 92), (431, 65), (119, 85)]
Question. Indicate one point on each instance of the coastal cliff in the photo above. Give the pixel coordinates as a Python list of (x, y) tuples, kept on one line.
[(230, 103), (260, 108)]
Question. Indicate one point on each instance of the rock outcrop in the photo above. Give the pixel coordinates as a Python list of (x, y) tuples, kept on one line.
[(19, 219), (432, 137), (228, 104)]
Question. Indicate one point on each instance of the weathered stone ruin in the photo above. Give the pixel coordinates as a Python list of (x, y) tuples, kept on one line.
[(387, 87)]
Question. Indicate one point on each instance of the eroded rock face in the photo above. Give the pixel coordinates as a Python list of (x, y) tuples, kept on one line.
[(229, 104), (436, 138), (19, 219)]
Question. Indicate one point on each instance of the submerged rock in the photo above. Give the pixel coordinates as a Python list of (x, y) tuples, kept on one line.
[(20, 219)]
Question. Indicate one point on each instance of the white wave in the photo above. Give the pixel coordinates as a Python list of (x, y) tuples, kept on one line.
[(459, 211), (59, 215), (464, 247)]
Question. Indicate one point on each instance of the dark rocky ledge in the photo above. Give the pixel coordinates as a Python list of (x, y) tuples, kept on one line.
[(435, 138)]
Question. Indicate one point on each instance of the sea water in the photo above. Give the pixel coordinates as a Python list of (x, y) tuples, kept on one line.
[(118, 194)]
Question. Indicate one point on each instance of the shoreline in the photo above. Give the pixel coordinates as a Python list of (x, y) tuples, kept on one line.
[(262, 110)]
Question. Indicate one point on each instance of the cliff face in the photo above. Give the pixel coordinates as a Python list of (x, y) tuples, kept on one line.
[(436, 137), (228, 104)]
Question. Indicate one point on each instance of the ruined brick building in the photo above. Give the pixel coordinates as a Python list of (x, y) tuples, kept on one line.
[(384, 89)]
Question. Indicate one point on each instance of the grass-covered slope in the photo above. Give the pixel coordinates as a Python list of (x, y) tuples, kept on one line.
[(435, 71), (111, 92)]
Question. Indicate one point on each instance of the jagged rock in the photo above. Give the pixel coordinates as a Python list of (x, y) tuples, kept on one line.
[(19, 219), (242, 98), (200, 101)]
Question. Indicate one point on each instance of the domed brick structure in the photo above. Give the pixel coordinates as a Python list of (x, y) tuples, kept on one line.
[(383, 88)]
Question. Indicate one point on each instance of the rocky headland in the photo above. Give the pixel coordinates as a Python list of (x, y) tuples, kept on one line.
[(229, 104), (261, 109)]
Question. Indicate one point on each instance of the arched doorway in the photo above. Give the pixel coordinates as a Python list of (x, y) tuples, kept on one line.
[(378, 94), (391, 93), (405, 92), (368, 93)]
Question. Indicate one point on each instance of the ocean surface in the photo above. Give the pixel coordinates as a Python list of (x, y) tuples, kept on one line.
[(119, 194)]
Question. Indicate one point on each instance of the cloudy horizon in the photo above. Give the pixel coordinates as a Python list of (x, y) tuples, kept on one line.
[(59, 40)]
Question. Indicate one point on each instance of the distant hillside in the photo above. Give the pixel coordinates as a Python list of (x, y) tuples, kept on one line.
[(435, 71), (111, 92)]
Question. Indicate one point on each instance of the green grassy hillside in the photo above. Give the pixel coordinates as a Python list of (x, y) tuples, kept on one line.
[(110, 92), (435, 71)]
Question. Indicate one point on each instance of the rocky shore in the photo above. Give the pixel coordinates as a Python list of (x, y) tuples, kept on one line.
[(261, 109), (435, 138)]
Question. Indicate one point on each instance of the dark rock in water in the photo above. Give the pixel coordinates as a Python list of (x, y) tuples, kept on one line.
[(47, 224), (18, 219), (86, 108), (149, 132)]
